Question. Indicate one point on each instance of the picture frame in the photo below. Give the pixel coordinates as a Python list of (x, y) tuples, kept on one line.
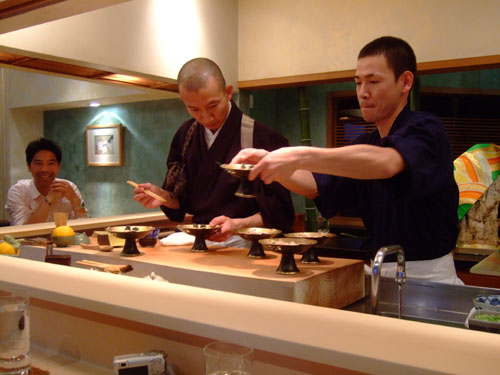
[(105, 145)]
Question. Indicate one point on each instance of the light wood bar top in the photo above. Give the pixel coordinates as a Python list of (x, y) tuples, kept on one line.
[(360, 342), (41, 229)]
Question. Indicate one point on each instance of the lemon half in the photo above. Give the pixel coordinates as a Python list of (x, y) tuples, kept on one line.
[(7, 248)]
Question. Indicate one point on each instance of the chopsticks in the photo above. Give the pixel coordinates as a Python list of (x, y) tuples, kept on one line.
[(97, 247), (111, 268), (148, 192)]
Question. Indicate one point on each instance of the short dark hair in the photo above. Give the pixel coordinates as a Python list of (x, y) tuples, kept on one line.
[(195, 74), (398, 53), (43, 144)]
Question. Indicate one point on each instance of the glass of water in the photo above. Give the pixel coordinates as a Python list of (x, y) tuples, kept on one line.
[(224, 358), (14, 334)]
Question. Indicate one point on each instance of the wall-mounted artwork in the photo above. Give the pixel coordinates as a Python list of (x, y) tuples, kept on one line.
[(105, 145)]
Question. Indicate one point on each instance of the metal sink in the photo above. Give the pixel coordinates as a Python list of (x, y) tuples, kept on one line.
[(427, 302), (444, 320)]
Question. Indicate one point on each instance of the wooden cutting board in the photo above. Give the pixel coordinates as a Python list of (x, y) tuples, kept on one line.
[(335, 282), (489, 265)]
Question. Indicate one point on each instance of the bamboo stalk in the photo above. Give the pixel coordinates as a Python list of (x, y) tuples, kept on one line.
[(310, 208)]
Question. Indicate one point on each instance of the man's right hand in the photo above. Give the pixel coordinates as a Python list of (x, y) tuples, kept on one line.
[(249, 156), (283, 166), (146, 200), (277, 165)]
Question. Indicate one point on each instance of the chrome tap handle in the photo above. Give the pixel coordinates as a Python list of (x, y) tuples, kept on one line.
[(401, 270), (378, 260)]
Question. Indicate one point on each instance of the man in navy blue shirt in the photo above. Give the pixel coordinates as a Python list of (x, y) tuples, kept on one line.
[(400, 175)]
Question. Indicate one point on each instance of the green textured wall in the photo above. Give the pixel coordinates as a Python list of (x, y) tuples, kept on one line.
[(150, 126), (279, 107), (487, 79)]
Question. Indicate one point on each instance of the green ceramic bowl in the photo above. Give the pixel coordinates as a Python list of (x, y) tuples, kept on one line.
[(81, 238)]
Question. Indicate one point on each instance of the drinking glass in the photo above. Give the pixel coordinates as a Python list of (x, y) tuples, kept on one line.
[(60, 218), (224, 358), (14, 334)]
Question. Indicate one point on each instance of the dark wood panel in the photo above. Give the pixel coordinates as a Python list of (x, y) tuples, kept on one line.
[(11, 8), (473, 279)]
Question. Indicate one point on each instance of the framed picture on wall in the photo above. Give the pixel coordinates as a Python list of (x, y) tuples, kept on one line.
[(105, 145)]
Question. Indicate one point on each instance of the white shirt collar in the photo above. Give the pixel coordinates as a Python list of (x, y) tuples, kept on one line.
[(209, 136), (33, 191)]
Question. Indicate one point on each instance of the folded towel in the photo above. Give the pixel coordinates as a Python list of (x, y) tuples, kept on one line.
[(184, 239), (177, 239)]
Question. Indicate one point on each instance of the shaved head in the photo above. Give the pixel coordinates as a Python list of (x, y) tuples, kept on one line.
[(194, 74)]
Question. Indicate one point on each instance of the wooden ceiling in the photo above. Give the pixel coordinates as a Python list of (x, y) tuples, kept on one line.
[(75, 71), (19, 14), (11, 8), (14, 8)]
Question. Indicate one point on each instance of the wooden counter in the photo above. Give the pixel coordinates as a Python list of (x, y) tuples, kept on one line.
[(60, 364), (95, 316)]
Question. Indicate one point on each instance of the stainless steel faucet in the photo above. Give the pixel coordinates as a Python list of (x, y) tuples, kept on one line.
[(377, 268)]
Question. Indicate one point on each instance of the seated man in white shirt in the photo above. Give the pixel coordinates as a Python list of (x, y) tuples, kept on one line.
[(35, 200)]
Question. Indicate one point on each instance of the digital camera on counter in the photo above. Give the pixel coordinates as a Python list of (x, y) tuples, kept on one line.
[(150, 363)]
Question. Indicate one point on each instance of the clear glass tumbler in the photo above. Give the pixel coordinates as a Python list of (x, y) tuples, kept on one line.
[(14, 334), (224, 358)]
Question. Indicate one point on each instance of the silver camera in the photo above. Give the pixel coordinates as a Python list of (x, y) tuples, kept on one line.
[(150, 363)]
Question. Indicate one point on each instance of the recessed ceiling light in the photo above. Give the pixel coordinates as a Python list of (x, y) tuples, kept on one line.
[(94, 104)]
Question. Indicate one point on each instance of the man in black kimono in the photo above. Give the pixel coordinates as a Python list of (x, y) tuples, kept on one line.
[(195, 182)]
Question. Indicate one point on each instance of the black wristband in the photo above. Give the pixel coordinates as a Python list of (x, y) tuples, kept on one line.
[(46, 201)]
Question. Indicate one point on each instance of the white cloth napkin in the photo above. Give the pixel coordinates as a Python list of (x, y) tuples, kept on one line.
[(436, 270), (177, 239), (184, 239)]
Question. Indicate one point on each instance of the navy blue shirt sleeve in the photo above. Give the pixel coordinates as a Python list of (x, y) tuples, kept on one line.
[(421, 144), (335, 194), (417, 208)]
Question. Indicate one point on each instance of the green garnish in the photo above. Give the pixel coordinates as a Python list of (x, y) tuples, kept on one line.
[(488, 317)]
